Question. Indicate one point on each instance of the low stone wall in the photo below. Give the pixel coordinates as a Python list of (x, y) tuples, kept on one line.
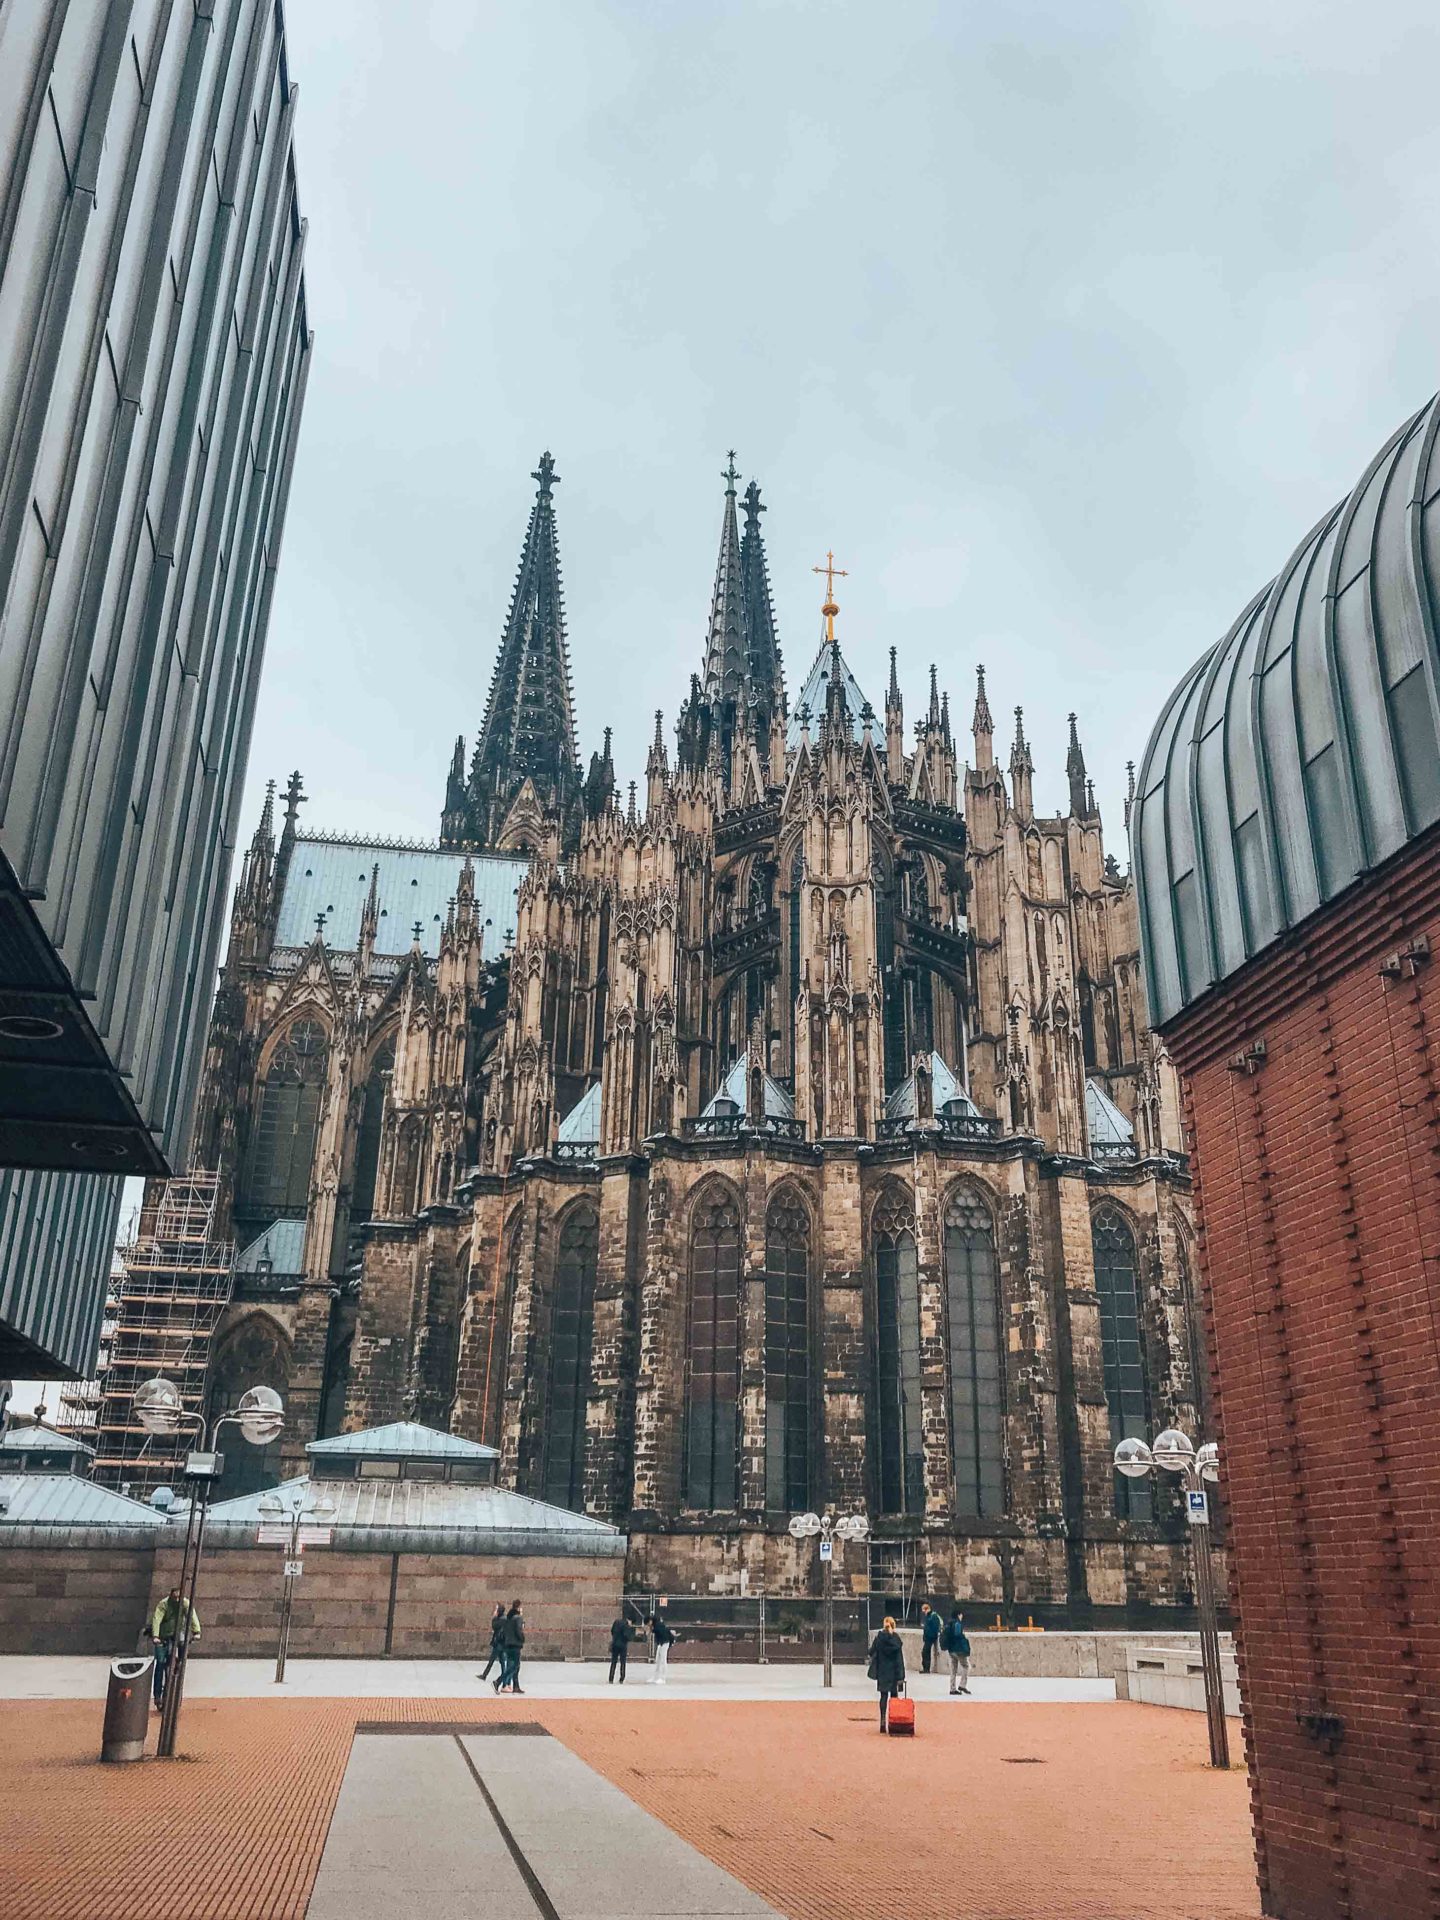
[(68, 1599), (1162, 1676), (407, 1605), (1055, 1655)]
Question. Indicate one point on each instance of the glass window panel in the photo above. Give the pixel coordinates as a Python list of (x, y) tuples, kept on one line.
[(1117, 1288), (900, 1426), (710, 1449), (282, 1145), (572, 1340), (787, 1357), (1413, 720), (977, 1380)]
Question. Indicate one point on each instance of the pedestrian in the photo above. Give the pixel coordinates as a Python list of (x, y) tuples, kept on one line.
[(955, 1642), (164, 1626), (512, 1639), (621, 1634), (929, 1638), (665, 1637), (497, 1634), (887, 1667)]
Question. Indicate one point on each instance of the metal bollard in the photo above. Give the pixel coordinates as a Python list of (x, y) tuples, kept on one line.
[(127, 1709)]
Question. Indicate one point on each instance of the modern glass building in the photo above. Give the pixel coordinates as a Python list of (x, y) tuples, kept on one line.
[(154, 348)]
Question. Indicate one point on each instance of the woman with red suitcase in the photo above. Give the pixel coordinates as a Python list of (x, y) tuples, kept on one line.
[(887, 1668)]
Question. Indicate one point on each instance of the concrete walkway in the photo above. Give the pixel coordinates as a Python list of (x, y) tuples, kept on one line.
[(83, 1677), (511, 1826)]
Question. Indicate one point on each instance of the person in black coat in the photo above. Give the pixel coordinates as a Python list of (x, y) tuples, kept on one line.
[(497, 1630), (512, 1639), (621, 1634), (887, 1667)]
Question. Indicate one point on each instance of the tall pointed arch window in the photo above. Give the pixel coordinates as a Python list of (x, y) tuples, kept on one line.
[(787, 1355), (254, 1353), (282, 1146), (1122, 1348), (714, 1355), (572, 1342), (367, 1144), (900, 1443), (976, 1356)]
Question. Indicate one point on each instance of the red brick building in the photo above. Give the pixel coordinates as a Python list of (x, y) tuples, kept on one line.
[(1288, 861)]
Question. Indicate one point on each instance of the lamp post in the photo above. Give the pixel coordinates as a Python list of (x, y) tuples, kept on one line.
[(306, 1509), (1174, 1452), (260, 1416), (850, 1526)]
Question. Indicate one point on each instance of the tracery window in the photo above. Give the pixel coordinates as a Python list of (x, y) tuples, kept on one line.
[(282, 1146), (572, 1341), (900, 1446), (976, 1356), (787, 1356), (254, 1354), (367, 1144), (714, 1357), (1122, 1348)]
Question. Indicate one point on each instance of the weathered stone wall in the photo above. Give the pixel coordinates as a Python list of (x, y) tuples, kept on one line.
[(73, 1599)]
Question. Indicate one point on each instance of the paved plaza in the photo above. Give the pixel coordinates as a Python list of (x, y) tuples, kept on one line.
[(1000, 1809)]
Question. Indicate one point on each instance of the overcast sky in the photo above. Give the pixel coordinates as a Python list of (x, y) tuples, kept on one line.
[(1060, 321)]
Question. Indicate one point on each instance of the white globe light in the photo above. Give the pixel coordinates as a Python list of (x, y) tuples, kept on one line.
[(262, 1415), (1207, 1459), (1133, 1459), (804, 1524), (854, 1526), (158, 1406), (1173, 1450)]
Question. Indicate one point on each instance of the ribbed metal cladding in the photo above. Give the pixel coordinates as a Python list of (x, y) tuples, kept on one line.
[(56, 1234), (154, 349)]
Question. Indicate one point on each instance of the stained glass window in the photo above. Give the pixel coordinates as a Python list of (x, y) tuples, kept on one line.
[(572, 1340), (714, 1349), (976, 1356), (282, 1146), (901, 1450), (787, 1356), (1122, 1349)]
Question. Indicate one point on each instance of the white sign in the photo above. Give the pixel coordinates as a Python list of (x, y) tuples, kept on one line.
[(1197, 1508), (314, 1536), (827, 1549), (273, 1536), (294, 1569)]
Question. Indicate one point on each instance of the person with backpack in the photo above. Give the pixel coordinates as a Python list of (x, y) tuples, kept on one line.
[(512, 1639), (887, 1668), (664, 1636), (954, 1642), (929, 1637), (497, 1629), (621, 1634)]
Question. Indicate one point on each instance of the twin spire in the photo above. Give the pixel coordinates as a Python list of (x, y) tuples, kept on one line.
[(742, 651)]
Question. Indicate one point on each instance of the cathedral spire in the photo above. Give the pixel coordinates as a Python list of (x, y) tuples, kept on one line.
[(1075, 773), (1022, 770), (528, 732), (934, 696), (724, 675), (764, 674), (983, 724)]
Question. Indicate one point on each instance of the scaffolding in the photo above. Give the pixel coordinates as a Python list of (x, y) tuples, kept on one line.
[(175, 1284)]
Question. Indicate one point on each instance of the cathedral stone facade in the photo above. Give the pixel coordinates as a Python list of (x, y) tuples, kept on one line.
[(786, 1133)]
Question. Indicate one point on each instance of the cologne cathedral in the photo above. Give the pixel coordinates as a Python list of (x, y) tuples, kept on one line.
[(782, 1132)]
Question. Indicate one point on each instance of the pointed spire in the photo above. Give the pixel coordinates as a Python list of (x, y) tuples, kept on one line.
[(1075, 773), (294, 795), (764, 672), (600, 781), (265, 832), (892, 692), (1022, 769), (724, 674), (529, 726), (934, 696), (945, 719), (370, 913)]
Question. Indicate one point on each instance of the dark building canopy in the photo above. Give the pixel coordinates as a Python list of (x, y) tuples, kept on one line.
[(1303, 749)]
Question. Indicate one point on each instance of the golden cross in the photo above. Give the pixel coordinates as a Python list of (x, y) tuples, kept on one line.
[(830, 570)]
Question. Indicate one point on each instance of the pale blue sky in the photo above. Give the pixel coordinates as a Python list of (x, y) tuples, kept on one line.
[(1060, 321)]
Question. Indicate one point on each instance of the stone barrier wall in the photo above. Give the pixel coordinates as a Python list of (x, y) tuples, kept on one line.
[(73, 1599)]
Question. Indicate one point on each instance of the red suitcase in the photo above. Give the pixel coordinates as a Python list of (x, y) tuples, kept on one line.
[(901, 1717)]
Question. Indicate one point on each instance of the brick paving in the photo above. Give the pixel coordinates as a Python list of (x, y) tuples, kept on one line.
[(1003, 1812)]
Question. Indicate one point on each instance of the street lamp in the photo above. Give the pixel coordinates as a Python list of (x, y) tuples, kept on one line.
[(1174, 1452), (850, 1526), (158, 1406), (306, 1509)]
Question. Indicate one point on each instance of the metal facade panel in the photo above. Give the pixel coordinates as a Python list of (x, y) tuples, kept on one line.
[(57, 1231), (154, 347), (1324, 694)]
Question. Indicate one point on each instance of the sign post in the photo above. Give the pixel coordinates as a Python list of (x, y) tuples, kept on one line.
[(294, 1529)]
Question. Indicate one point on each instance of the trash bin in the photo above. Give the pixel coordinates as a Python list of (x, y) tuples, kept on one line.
[(127, 1709)]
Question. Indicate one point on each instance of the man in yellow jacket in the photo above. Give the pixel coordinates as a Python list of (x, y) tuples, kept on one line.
[(163, 1627)]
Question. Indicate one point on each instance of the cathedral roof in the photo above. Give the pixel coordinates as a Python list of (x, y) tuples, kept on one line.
[(400, 1440), (778, 1104), (945, 1088), (332, 876), (279, 1249), (582, 1123), (1107, 1125), (1303, 749), (812, 695)]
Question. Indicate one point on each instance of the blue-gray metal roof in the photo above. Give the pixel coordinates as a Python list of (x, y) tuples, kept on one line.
[(423, 1516), (812, 695), (400, 1440), (944, 1088), (69, 1500), (41, 1440), (415, 883), (282, 1244), (582, 1123), (778, 1104), (1108, 1125), (1304, 748)]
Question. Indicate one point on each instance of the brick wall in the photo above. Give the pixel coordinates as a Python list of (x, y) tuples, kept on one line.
[(73, 1599), (1318, 1205)]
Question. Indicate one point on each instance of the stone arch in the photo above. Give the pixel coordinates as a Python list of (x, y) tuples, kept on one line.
[(280, 1152), (254, 1351)]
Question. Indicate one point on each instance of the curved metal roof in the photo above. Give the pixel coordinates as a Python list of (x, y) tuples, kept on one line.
[(1304, 749)]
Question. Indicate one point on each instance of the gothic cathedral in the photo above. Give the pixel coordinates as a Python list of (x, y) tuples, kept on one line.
[(789, 1134)]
